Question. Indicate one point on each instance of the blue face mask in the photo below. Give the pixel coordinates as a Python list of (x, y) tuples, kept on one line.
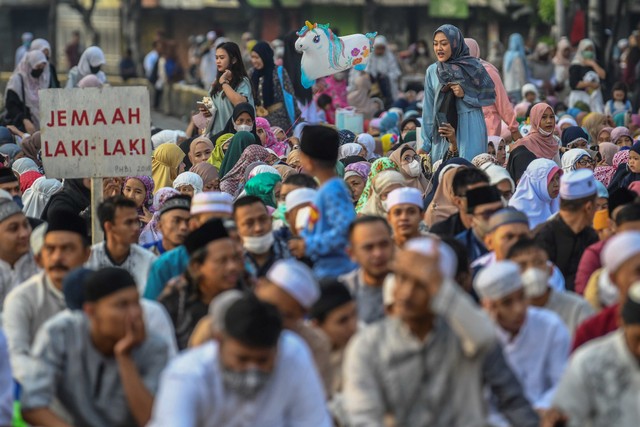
[(18, 200)]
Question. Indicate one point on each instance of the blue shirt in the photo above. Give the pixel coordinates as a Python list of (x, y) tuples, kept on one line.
[(155, 247), (326, 235), (169, 265), (475, 248)]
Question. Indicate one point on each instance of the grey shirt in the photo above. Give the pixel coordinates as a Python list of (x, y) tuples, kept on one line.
[(435, 382), (571, 308), (138, 263), (12, 276), (66, 366), (368, 298)]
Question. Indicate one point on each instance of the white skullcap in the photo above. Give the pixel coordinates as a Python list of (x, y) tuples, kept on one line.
[(619, 249), (405, 195), (388, 288), (37, 238), (212, 202), (577, 184), (498, 281), (300, 196), (296, 279), (427, 246)]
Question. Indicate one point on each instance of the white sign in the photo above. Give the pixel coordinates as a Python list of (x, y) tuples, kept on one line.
[(91, 133)]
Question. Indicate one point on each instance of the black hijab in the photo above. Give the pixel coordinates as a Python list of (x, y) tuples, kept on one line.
[(519, 160), (243, 107), (266, 54)]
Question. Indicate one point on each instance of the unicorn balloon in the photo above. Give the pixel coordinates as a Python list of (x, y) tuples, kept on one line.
[(324, 54)]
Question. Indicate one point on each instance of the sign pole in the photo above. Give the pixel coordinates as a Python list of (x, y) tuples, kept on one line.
[(97, 235)]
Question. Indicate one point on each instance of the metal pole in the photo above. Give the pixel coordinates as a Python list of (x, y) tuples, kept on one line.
[(561, 23), (97, 235)]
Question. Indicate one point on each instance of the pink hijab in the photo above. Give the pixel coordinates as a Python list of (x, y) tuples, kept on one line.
[(544, 147), (272, 142)]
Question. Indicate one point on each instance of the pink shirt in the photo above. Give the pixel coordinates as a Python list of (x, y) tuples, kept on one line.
[(502, 109)]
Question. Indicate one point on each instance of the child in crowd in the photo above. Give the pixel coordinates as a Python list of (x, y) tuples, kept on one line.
[(327, 112), (618, 102)]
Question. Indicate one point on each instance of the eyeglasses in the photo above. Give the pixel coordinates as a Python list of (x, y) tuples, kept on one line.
[(586, 161)]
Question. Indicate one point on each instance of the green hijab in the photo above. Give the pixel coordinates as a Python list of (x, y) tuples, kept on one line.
[(381, 164), (262, 186), (239, 142), (217, 155), (618, 119)]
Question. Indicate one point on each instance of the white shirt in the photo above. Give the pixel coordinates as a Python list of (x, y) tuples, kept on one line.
[(10, 277), (138, 263), (157, 321), (538, 354), (6, 384), (192, 393)]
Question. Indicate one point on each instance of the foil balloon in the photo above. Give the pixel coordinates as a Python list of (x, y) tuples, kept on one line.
[(324, 53)]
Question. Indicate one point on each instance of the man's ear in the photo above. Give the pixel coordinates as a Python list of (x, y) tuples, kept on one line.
[(488, 241)]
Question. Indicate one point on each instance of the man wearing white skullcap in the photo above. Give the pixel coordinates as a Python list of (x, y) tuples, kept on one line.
[(535, 340), (440, 336), (566, 236), (404, 213), (620, 257), (601, 384), (293, 289)]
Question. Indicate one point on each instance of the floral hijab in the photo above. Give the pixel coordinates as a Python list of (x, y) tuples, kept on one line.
[(382, 164)]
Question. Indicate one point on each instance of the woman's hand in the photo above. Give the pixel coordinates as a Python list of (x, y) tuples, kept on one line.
[(225, 77), (204, 110), (14, 130), (147, 216), (447, 131), (457, 90), (29, 126)]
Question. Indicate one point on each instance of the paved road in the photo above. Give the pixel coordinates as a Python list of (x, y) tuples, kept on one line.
[(167, 122)]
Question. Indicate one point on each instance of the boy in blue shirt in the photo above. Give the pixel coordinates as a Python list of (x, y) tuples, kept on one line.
[(325, 237)]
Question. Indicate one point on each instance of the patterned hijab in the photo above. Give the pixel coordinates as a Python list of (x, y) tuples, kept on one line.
[(465, 70), (147, 181), (382, 164), (271, 142), (233, 181)]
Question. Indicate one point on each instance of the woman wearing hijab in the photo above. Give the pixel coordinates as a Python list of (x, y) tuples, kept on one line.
[(50, 74), (209, 175), (23, 165), (355, 176), (368, 142), (410, 166), (467, 88), (384, 69), (264, 186), (243, 119), (604, 135), (575, 159), (540, 140), (562, 62), (574, 137), (188, 183), (293, 159), (381, 164), (358, 95), (230, 88), (500, 178), (501, 110), (233, 181), (222, 145), (537, 192), (583, 84), (605, 170), (36, 197), (140, 190), (91, 62), (269, 83), (381, 185), (239, 143), (515, 70), (21, 98), (27, 179), (621, 137), (200, 150), (350, 149), (166, 163), (268, 139), (442, 205), (31, 146), (151, 232), (593, 123), (167, 136), (10, 153)]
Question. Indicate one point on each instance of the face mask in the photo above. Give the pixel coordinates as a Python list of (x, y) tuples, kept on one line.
[(95, 70), (385, 205), (544, 132), (242, 128), (535, 282), (587, 54), (281, 211), (413, 169), (245, 384), (258, 245), (37, 73)]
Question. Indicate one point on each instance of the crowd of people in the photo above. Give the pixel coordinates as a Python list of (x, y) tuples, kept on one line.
[(472, 259)]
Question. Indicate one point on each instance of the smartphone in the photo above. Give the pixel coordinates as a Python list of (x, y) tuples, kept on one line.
[(200, 104), (441, 119)]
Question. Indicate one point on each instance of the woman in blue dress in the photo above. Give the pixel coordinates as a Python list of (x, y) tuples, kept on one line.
[(456, 79)]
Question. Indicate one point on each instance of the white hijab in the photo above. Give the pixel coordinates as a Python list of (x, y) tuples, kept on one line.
[(35, 198), (23, 165), (189, 178), (91, 57), (571, 157), (532, 196)]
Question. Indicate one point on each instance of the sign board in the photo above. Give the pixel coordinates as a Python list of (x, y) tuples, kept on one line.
[(90, 133)]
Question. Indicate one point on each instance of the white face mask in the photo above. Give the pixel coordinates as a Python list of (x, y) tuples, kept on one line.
[(544, 132), (413, 169), (258, 245), (535, 281), (242, 128)]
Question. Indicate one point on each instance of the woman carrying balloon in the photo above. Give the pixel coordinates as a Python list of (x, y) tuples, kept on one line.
[(456, 88)]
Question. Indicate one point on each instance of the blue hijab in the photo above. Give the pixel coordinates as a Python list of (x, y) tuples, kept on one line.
[(516, 50), (465, 70)]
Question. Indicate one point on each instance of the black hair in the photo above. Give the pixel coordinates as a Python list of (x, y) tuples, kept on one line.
[(523, 245), (301, 180), (246, 201), (324, 100), (467, 177), (367, 219), (620, 86), (107, 209), (252, 322), (628, 213), (237, 69), (577, 204)]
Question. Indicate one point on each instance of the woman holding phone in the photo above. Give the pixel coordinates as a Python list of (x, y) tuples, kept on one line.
[(456, 88), (231, 87)]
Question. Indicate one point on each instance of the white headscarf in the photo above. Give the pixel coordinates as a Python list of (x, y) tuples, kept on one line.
[(571, 157), (22, 75), (189, 178), (582, 46), (42, 45), (262, 169), (23, 165), (91, 57), (368, 142), (35, 198), (497, 174), (350, 149), (532, 196), (166, 136)]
